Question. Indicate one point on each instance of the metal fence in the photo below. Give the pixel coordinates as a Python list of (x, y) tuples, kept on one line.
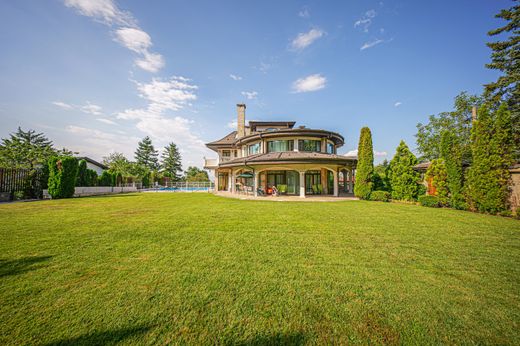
[(15, 181), (186, 186)]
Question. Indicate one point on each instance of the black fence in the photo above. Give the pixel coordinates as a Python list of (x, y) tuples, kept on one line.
[(21, 183)]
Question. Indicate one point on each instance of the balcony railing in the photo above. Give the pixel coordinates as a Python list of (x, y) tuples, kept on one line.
[(210, 163)]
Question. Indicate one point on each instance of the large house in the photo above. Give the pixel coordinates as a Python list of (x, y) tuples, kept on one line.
[(296, 160)]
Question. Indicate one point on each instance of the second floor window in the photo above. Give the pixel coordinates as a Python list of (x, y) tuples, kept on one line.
[(330, 148), (278, 146), (226, 153), (253, 149), (309, 145)]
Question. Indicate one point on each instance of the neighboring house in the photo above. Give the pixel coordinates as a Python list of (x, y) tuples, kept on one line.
[(298, 161), (514, 183), (94, 165)]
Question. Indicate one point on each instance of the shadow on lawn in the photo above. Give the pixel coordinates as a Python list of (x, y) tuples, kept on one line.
[(21, 265), (111, 337), (271, 339)]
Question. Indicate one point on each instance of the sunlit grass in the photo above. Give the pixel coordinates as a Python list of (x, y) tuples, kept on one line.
[(200, 269)]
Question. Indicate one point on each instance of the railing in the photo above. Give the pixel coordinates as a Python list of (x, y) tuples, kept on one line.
[(210, 162), (22, 181), (186, 186)]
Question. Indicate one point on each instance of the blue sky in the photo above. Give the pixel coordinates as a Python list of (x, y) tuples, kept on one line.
[(96, 76)]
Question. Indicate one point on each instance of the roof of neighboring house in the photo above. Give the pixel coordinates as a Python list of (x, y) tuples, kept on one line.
[(423, 166), (227, 140), (94, 162), (290, 157)]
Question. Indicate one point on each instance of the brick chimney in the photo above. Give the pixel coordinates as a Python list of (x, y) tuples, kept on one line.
[(241, 120)]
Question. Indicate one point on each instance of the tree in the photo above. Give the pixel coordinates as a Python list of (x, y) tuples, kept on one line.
[(506, 58), (146, 154), (117, 163), (25, 149), (402, 175), (365, 166), (82, 178), (457, 122), (381, 178), (438, 176), (195, 174), (492, 147), (62, 176), (171, 162), (451, 152)]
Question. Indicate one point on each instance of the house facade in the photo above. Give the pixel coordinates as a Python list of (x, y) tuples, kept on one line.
[(265, 156), (94, 165)]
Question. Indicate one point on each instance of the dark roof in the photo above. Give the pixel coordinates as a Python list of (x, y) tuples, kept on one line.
[(94, 162), (227, 140), (289, 156), (423, 166), (254, 124), (336, 137)]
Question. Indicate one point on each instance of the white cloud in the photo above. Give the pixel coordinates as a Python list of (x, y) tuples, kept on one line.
[(310, 83), (232, 124), (104, 11), (250, 95), (304, 40), (397, 104), (106, 121), (128, 34), (304, 12), (62, 105), (235, 77), (90, 108), (354, 152), (365, 21), (371, 44)]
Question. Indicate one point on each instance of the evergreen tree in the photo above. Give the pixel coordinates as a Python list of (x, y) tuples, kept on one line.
[(438, 176), (365, 165), (25, 149), (403, 178), (381, 178), (506, 58), (451, 152), (146, 154), (492, 148), (83, 177), (171, 162)]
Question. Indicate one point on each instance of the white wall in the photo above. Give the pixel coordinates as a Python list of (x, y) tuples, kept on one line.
[(98, 169), (96, 190)]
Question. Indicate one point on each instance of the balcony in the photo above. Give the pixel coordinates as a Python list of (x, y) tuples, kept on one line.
[(210, 163)]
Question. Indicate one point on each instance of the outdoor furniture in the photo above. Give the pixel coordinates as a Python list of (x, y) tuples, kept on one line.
[(282, 188)]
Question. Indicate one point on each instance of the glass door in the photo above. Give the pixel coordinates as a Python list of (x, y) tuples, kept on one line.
[(293, 182)]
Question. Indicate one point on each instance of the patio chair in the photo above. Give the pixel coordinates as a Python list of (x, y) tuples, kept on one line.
[(320, 189), (282, 188), (315, 190)]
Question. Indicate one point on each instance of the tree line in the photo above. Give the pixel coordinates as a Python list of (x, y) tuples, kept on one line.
[(470, 149)]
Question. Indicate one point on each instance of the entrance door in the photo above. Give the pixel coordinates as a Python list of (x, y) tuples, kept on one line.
[(312, 178), (222, 182)]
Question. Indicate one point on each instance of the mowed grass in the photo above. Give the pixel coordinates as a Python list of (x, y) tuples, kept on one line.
[(196, 269)]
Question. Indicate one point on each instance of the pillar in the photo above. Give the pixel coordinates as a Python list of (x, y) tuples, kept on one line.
[(336, 183), (233, 181), (229, 182), (351, 180), (255, 184), (302, 184), (295, 145)]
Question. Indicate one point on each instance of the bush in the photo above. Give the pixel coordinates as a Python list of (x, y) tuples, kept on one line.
[(429, 201), (382, 196), (62, 176), (105, 179), (81, 179)]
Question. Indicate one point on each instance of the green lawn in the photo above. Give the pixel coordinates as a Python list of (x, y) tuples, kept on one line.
[(200, 269)]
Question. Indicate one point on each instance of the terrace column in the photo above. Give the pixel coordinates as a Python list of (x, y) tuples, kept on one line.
[(229, 182), (302, 184), (255, 184), (336, 183), (351, 180), (233, 180)]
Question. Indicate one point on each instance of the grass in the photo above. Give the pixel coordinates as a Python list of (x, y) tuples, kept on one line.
[(200, 269)]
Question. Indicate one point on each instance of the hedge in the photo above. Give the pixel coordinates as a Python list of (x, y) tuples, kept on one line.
[(429, 201), (382, 196), (62, 176)]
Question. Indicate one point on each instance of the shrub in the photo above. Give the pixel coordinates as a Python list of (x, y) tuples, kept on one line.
[(82, 178), (92, 177), (421, 190), (382, 196), (438, 177), (429, 201), (62, 176), (105, 179), (403, 178)]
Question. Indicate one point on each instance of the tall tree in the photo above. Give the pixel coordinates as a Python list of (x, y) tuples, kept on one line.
[(451, 152), (25, 149), (117, 163), (457, 121), (146, 154), (381, 178), (492, 148), (171, 162), (438, 176), (403, 178), (365, 165), (506, 58)]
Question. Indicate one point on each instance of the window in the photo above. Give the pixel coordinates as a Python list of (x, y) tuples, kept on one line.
[(309, 145), (254, 149), (278, 146), (226, 153), (330, 148)]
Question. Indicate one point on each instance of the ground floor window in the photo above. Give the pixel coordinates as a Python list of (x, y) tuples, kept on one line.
[(285, 181), (313, 183)]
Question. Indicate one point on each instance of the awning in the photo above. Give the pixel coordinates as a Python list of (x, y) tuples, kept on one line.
[(245, 175)]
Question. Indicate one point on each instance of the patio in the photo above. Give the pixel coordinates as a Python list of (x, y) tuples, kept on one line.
[(285, 198)]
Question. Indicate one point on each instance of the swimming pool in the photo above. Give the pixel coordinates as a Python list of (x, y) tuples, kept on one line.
[(184, 189)]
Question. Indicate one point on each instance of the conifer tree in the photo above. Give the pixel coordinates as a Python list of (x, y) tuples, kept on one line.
[(171, 162), (451, 152), (403, 178), (146, 154), (365, 165), (506, 58), (438, 176), (492, 148)]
